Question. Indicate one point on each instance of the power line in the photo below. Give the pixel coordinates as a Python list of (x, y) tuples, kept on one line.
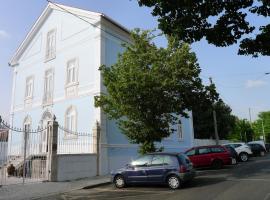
[(94, 25)]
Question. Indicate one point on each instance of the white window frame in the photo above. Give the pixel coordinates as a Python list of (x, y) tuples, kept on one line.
[(48, 94), (71, 118), (29, 91), (50, 52), (72, 78), (180, 132)]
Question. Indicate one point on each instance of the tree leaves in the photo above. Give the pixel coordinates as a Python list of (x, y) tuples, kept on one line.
[(220, 22), (149, 88)]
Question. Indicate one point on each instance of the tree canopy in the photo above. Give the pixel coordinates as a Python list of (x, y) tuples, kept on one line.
[(220, 22), (262, 124), (242, 131), (203, 120), (149, 88)]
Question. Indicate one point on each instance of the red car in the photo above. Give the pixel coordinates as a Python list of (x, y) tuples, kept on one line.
[(209, 156)]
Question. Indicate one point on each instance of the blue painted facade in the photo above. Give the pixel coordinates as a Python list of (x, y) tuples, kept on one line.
[(91, 47)]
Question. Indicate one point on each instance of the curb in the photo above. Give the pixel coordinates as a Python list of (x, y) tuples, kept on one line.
[(97, 185)]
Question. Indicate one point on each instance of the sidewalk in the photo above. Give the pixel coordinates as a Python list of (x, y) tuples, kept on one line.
[(36, 190)]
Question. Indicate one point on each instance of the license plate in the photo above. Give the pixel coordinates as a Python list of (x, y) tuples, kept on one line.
[(233, 161)]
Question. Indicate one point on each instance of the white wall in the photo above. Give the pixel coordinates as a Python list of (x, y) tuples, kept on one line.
[(72, 167), (205, 142)]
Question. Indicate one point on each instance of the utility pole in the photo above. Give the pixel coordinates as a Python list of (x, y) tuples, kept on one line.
[(249, 111), (215, 119), (263, 131)]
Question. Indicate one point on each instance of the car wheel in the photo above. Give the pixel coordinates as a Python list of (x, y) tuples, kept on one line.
[(243, 157), (173, 182), (217, 164), (119, 181)]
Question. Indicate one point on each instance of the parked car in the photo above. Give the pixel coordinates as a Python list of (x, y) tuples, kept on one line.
[(257, 149), (209, 156), (243, 150), (233, 153), (267, 147), (172, 169), (261, 142)]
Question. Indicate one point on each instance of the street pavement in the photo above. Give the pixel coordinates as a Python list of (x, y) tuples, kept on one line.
[(247, 181)]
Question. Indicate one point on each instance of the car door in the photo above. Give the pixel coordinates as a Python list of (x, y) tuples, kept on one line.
[(204, 157), (155, 171), (136, 171)]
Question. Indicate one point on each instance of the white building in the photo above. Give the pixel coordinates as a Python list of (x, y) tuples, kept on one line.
[(56, 73)]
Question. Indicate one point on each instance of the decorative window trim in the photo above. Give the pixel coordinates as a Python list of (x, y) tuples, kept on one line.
[(50, 54), (28, 99), (46, 101), (71, 88), (66, 134)]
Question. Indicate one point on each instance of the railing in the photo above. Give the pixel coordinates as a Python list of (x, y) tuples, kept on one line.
[(70, 142), (22, 156)]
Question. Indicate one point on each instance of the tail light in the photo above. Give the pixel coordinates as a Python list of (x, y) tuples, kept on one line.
[(183, 169)]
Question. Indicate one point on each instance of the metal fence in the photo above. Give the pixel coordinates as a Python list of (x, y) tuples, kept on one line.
[(71, 142), (23, 155), (29, 155)]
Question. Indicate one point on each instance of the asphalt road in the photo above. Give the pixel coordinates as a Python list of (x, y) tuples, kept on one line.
[(247, 181)]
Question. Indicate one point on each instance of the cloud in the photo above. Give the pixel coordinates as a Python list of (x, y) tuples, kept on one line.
[(255, 83), (3, 34)]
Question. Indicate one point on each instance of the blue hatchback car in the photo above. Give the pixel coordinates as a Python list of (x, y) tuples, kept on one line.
[(172, 169)]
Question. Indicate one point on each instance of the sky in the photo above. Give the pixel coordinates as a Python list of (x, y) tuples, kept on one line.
[(240, 80)]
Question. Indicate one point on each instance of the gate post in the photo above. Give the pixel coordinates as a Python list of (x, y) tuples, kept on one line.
[(52, 150), (96, 143)]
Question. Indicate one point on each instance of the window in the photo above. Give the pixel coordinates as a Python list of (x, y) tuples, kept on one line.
[(157, 160), (204, 150), (191, 152), (48, 87), (142, 161), (51, 45), (184, 159), (180, 131), (72, 72), (71, 121), (236, 145), (217, 150), (171, 160), (29, 87)]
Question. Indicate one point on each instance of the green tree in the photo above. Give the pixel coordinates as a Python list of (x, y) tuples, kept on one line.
[(204, 124), (220, 22), (242, 131), (150, 87), (262, 124)]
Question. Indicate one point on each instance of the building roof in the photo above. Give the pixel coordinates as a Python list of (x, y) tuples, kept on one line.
[(49, 8)]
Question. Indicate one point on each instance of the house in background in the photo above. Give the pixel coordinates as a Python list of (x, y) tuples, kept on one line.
[(56, 74)]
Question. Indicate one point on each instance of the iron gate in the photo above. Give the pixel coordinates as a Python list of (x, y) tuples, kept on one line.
[(23, 155)]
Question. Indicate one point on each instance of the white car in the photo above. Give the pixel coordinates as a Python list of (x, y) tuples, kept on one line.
[(243, 150)]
